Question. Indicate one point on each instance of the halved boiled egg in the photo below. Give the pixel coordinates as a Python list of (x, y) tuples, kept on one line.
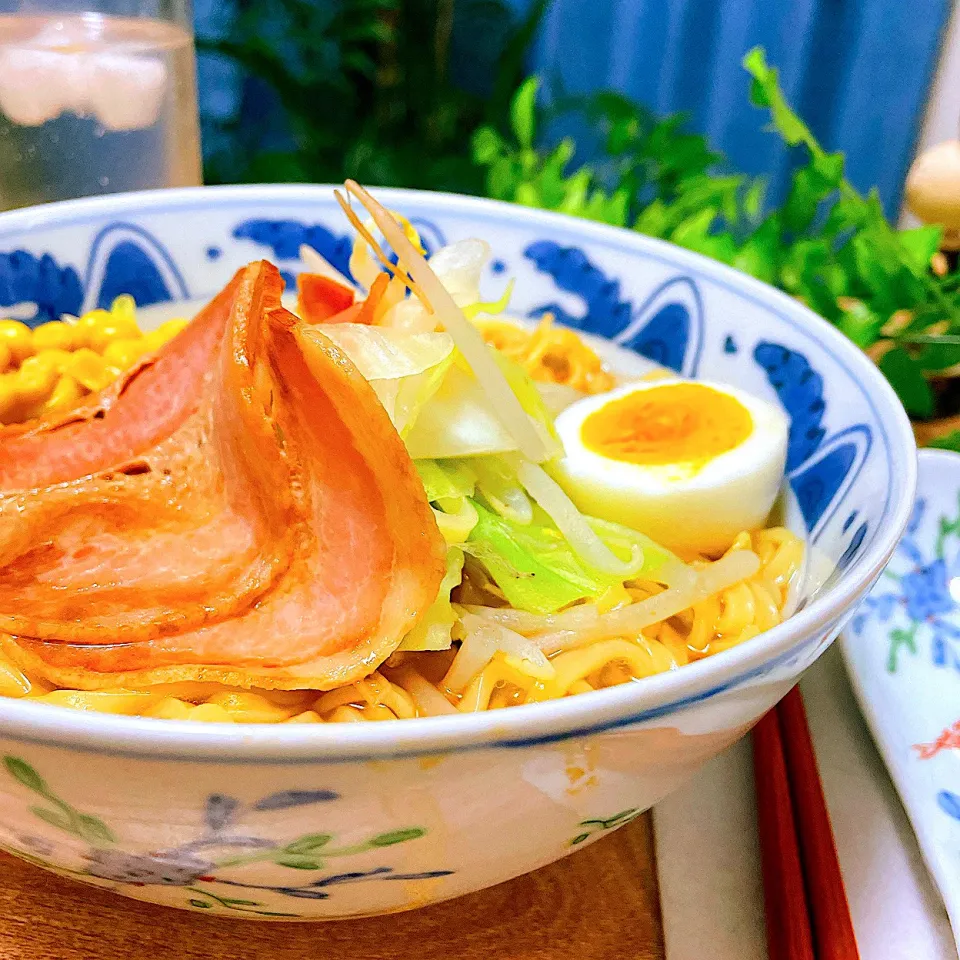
[(689, 463)]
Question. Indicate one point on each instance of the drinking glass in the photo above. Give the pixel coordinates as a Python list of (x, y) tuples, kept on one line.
[(96, 96)]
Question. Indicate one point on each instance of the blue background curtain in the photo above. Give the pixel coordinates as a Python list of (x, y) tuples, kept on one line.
[(857, 70)]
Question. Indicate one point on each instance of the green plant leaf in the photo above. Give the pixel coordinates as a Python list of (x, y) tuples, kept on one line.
[(937, 356), (240, 903), (309, 842), (56, 818), (906, 377), (579, 839), (920, 245), (22, 771), (397, 836), (94, 830), (950, 441), (200, 904), (523, 112), (860, 324), (487, 145)]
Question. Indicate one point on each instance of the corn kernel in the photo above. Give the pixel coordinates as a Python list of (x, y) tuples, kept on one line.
[(125, 353), (124, 310), (36, 379), (106, 331), (6, 357), (84, 327), (65, 394), (50, 359), (9, 397), (17, 337), (91, 370), (55, 335), (165, 333)]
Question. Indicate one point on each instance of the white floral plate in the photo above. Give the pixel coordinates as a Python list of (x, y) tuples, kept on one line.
[(903, 654)]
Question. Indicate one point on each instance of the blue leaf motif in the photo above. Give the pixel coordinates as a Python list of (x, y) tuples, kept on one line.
[(848, 555), (949, 803), (25, 278), (800, 389), (667, 327), (664, 339), (607, 313), (220, 811), (817, 485), (130, 270), (295, 798), (285, 237)]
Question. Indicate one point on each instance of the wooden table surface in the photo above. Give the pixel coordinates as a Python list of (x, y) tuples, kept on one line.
[(601, 902)]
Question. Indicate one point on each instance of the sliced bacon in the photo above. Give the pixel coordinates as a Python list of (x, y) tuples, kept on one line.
[(278, 537), (131, 415)]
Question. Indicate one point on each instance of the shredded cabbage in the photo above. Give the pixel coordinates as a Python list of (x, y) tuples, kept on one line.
[(532, 564), (579, 534), (458, 267), (459, 421), (445, 479), (433, 631), (557, 397), (455, 519), (491, 308), (508, 409), (497, 482), (404, 369)]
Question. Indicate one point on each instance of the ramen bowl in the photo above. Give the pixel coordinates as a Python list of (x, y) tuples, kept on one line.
[(341, 820)]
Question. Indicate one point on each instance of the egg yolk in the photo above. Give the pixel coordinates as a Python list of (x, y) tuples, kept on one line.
[(677, 423)]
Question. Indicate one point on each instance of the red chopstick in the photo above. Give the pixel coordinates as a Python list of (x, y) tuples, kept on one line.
[(829, 909), (808, 917), (785, 904)]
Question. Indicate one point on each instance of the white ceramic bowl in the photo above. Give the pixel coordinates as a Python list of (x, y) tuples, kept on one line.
[(318, 822)]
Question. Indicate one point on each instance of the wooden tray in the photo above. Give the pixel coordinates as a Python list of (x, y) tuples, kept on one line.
[(602, 902)]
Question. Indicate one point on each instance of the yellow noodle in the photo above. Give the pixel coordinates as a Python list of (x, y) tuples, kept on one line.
[(550, 353), (731, 617)]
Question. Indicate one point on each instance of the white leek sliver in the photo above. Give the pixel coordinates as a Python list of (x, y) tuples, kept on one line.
[(466, 336), (573, 525), (519, 652), (317, 263), (478, 648)]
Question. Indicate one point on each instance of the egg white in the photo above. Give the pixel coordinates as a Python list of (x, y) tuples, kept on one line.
[(686, 509)]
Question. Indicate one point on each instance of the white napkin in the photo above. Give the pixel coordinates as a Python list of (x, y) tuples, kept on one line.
[(708, 857)]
